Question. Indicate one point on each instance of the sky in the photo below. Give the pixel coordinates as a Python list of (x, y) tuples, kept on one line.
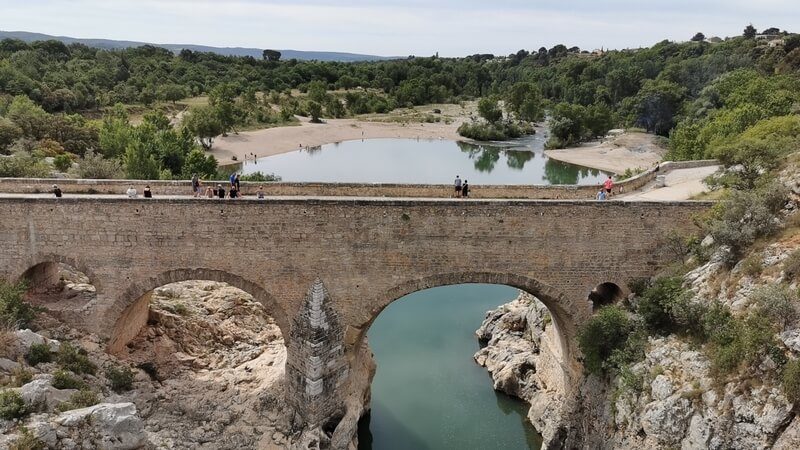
[(398, 28)]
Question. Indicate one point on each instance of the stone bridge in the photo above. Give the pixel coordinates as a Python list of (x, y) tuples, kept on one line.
[(325, 268)]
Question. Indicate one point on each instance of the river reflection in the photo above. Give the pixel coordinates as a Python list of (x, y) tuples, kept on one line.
[(425, 161)]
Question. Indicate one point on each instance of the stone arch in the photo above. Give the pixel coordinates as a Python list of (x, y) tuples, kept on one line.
[(605, 294), (566, 313), (129, 312), (40, 267)]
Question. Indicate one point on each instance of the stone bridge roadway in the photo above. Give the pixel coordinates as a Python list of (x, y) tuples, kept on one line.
[(366, 253)]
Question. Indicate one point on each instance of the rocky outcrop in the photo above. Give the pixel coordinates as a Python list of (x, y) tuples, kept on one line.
[(521, 354), (668, 400)]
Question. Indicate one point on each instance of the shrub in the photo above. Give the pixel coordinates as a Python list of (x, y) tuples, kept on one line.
[(746, 216), (96, 167), (13, 309), (609, 340), (23, 165), (258, 176), (791, 380), (81, 399), (7, 340), (791, 265), (20, 376), (38, 353), (27, 441), (777, 302), (752, 266), (63, 379), (75, 359), (62, 162), (742, 342), (11, 405), (121, 378), (666, 308)]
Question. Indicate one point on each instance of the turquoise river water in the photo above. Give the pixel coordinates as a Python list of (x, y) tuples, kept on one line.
[(428, 392)]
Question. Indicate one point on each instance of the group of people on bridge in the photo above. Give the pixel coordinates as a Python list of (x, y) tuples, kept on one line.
[(462, 189)]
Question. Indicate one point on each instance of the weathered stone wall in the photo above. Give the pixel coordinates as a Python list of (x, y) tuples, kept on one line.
[(368, 252), (72, 186)]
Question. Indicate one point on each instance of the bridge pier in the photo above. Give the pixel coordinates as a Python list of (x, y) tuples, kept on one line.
[(316, 367)]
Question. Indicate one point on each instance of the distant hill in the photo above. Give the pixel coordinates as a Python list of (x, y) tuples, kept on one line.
[(228, 51)]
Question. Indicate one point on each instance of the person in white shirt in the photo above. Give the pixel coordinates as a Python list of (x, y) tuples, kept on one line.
[(132, 192)]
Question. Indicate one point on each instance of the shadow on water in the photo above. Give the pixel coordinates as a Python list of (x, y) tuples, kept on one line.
[(404, 437)]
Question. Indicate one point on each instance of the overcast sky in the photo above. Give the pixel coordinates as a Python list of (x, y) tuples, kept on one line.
[(395, 27)]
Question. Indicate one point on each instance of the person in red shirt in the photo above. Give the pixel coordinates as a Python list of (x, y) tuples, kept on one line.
[(609, 185)]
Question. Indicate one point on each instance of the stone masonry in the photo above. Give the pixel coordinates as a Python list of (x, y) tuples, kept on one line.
[(368, 252), (316, 366)]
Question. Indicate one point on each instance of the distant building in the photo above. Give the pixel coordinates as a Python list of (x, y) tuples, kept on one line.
[(776, 43), (767, 37)]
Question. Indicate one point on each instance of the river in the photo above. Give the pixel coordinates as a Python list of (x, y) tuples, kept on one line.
[(428, 392)]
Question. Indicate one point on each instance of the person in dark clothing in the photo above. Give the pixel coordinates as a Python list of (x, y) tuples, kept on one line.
[(147, 193), (220, 191), (236, 182), (56, 191), (234, 193), (465, 189)]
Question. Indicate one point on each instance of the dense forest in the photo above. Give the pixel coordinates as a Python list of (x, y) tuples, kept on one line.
[(735, 99)]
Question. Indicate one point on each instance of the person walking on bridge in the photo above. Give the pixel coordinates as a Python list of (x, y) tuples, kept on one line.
[(195, 185), (458, 186), (465, 189), (609, 186)]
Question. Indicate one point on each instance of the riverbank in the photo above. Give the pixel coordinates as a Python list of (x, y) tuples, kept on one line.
[(274, 141), (631, 150)]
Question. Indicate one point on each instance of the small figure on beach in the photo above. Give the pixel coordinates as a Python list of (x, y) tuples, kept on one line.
[(56, 191), (465, 189), (608, 185), (147, 192), (131, 192), (458, 186), (601, 195)]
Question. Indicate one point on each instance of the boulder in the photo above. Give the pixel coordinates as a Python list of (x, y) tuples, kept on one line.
[(26, 338), (116, 424), (41, 396)]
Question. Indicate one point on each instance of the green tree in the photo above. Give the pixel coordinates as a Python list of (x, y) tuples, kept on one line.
[(315, 110), (203, 123), (750, 32), (9, 132), (271, 55), (489, 109), (197, 162), (140, 161), (318, 91), (699, 37), (171, 92), (525, 101)]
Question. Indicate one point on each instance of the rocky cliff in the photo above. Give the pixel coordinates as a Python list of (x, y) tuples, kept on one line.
[(671, 398)]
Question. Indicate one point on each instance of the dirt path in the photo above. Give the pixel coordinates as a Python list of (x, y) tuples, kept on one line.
[(681, 184)]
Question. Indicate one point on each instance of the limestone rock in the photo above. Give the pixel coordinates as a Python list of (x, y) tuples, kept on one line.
[(40, 395), (26, 338), (114, 425)]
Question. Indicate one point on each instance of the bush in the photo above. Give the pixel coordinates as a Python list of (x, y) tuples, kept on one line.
[(752, 266), (38, 353), (746, 216), (500, 131), (27, 441), (75, 359), (94, 166), (609, 340), (666, 308), (121, 378), (63, 379), (777, 302), (62, 162), (23, 165), (11, 405), (81, 399), (791, 380), (742, 342), (791, 265), (20, 376), (13, 310), (258, 176)]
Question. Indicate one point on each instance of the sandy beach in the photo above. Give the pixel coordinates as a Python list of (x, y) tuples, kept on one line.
[(627, 151), (273, 141)]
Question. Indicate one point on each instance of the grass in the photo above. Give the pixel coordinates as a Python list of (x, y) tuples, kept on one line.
[(27, 441), (81, 399)]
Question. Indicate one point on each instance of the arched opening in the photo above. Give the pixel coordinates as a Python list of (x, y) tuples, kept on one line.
[(214, 359), (429, 388), (605, 294), (60, 289)]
